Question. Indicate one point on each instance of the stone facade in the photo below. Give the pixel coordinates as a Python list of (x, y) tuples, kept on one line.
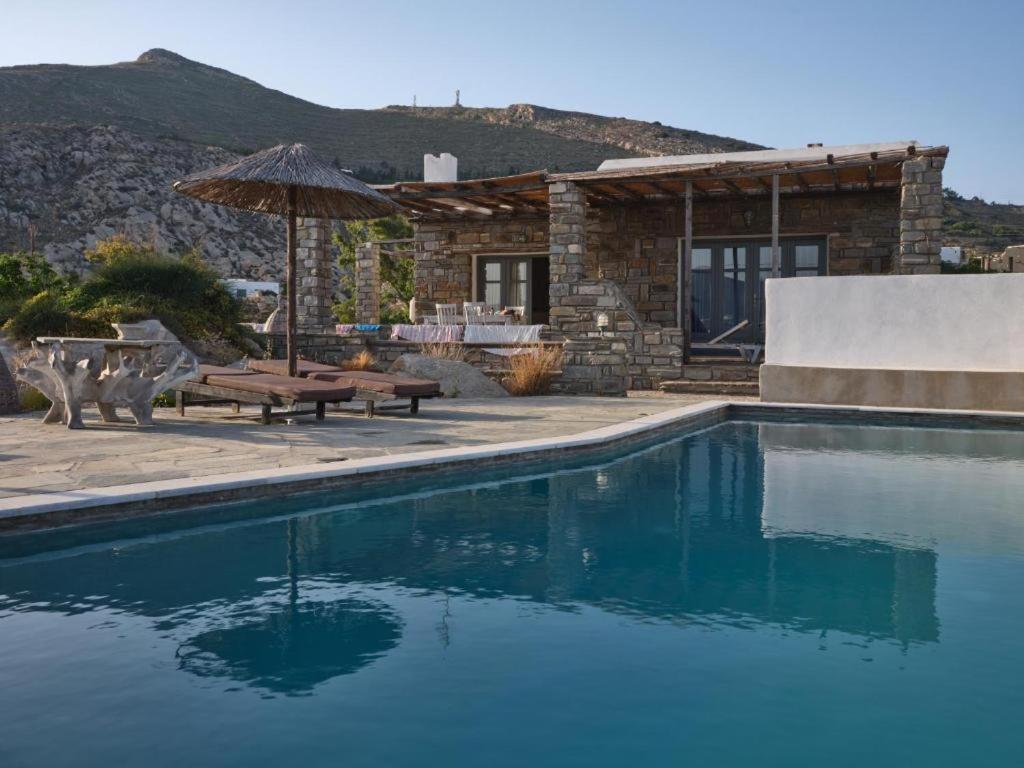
[(921, 216), (316, 276), (636, 244), (368, 283), (10, 402), (622, 260), (443, 270), (567, 249)]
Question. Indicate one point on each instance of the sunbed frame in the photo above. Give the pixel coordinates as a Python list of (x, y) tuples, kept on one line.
[(191, 393)]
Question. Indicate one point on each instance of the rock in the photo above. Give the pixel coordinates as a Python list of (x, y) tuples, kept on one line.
[(76, 185), (457, 379)]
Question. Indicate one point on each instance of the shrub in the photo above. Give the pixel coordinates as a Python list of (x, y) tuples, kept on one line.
[(531, 373), (364, 361), (34, 400), (134, 282), (444, 350)]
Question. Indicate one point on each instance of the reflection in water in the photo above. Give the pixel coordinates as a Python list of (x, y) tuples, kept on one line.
[(738, 580), (293, 650), (675, 533)]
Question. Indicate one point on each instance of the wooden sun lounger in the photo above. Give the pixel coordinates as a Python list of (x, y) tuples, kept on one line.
[(216, 386), (371, 387), (749, 352)]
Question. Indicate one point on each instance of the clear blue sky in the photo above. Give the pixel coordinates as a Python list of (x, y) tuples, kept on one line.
[(777, 73)]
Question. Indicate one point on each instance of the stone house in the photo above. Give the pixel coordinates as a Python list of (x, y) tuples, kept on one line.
[(611, 245)]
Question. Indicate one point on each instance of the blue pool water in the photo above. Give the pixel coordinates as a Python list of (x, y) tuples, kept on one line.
[(754, 594)]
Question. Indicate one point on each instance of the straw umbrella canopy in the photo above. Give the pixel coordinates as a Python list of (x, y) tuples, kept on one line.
[(290, 181)]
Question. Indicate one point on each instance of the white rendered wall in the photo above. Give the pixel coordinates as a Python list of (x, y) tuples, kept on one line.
[(913, 322), (439, 168)]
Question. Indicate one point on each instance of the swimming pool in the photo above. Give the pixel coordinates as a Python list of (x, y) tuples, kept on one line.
[(762, 593)]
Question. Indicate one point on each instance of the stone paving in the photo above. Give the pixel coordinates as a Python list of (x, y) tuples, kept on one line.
[(37, 458)]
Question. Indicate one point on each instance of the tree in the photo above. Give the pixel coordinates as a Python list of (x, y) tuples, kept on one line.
[(396, 269)]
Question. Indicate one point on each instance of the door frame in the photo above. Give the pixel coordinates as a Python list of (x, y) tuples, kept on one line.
[(477, 265), (753, 304)]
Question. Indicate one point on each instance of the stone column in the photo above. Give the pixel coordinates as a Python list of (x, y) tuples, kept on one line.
[(315, 276), (568, 242), (10, 402), (921, 216), (368, 283)]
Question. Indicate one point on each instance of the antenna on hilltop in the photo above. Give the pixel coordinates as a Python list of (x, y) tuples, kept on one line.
[(457, 102), (414, 101)]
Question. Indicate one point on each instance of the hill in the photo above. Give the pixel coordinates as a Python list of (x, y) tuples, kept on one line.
[(164, 95)]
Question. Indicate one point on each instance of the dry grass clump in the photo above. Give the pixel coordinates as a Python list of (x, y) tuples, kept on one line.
[(364, 361), (445, 350), (532, 372)]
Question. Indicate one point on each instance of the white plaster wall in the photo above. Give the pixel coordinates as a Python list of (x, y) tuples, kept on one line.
[(440, 168), (912, 322)]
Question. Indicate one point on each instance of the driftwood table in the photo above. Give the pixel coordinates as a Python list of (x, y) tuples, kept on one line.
[(113, 373)]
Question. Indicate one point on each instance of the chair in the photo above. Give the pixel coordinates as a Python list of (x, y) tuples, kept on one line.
[(520, 313), (447, 314), (473, 311)]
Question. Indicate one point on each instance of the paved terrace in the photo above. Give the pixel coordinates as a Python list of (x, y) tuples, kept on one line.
[(37, 458)]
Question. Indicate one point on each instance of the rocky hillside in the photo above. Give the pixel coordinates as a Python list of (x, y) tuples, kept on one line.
[(89, 151), (630, 137), (982, 228), (72, 186), (164, 95)]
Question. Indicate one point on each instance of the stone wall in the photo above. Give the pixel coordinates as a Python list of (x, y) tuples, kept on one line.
[(636, 244), (367, 281), (921, 216), (316, 276), (444, 249), (567, 206)]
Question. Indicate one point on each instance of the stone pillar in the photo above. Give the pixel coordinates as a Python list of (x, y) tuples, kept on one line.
[(368, 283), (315, 277), (920, 216), (10, 402), (568, 243)]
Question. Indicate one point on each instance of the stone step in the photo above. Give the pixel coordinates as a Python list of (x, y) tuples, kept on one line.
[(688, 387)]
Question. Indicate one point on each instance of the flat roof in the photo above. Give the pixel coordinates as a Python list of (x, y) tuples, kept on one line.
[(800, 154), (839, 168)]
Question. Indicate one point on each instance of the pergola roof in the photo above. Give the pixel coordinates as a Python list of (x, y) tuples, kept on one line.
[(861, 168)]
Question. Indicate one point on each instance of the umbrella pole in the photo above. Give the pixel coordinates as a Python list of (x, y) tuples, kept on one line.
[(291, 288)]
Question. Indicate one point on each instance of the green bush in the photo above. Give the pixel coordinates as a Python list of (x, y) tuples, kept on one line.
[(132, 283), (34, 400)]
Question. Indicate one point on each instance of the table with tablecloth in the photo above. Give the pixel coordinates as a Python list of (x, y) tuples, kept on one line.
[(427, 333), (501, 334)]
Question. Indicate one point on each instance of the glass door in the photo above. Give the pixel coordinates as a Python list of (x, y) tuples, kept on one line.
[(729, 282)]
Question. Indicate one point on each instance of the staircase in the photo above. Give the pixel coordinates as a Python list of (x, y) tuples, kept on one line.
[(715, 375)]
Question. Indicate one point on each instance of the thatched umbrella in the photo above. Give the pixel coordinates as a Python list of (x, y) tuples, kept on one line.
[(291, 181)]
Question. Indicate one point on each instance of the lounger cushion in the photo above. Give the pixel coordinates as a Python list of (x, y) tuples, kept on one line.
[(219, 370), (385, 383), (300, 390), (280, 367)]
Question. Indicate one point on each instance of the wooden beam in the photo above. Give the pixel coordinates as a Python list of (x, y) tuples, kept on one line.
[(733, 187), (466, 192), (686, 276), (760, 182), (776, 250)]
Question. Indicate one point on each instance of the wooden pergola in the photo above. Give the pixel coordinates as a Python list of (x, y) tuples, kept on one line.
[(527, 193)]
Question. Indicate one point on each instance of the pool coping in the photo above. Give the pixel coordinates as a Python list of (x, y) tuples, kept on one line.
[(64, 508)]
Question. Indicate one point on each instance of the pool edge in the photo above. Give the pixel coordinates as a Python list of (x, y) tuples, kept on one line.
[(66, 508)]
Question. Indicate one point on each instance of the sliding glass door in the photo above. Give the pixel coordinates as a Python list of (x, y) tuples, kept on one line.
[(729, 278)]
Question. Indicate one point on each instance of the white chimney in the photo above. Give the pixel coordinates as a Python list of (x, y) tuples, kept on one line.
[(443, 167)]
